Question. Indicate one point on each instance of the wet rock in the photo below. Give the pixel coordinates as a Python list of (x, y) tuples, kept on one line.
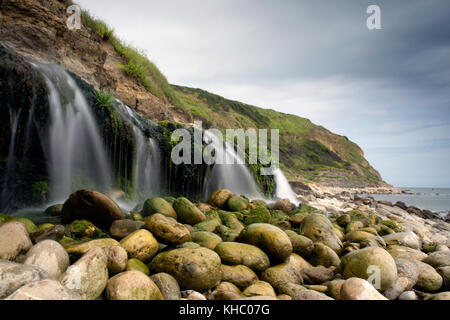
[(438, 259), (409, 270), (310, 295), (318, 228), (55, 233), (192, 295), (397, 288), (316, 275), (429, 279), (359, 289), (54, 210), (206, 239), (300, 244), (87, 276), (324, 256), (259, 288), (80, 249), (236, 203), (270, 239), (283, 205), (168, 286), (239, 275), (117, 259), (220, 197), (47, 289), (408, 296), (50, 256), (14, 240), (287, 272), (14, 275), (167, 230), (137, 265), (158, 205), (407, 239), (234, 253), (363, 263), (334, 288), (92, 206), (439, 296), (132, 285), (121, 228), (140, 245), (225, 291), (257, 215), (197, 269), (187, 212), (445, 274), (406, 253)]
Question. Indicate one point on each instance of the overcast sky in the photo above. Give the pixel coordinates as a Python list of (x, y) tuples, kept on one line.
[(387, 90)]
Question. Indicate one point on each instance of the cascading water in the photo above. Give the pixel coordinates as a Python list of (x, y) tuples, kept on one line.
[(76, 155), (233, 174), (283, 189)]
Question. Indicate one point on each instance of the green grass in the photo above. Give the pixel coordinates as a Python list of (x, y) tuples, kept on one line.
[(103, 99)]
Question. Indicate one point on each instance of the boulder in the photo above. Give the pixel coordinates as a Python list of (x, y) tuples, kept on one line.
[(88, 275), (259, 288), (234, 253), (287, 272), (445, 274), (310, 295), (77, 250), (194, 268), (409, 270), (137, 265), (121, 228), (439, 296), (300, 244), (187, 212), (367, 264), (316, 275), (270, 239), (236, 203), (14, 275), (225, 291), (84, 229), (429, 279), (168, 286), (167, 230), (50, 256), (406, 253), (397, 288), (359, 289), (408, 239), (206, 239), (318, 228), (334, 288), (192, 295), (140, 245), (132, 285), (438, 259), (408, 296), (283, 205), (239, 275), (220, 197), (323, 255), (47, 289), (55, 233), (158, 205), (92, 206), (257, 215), (117, 259), (14, 240)]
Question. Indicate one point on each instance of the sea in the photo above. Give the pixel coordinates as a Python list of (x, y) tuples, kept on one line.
[(434, 199)]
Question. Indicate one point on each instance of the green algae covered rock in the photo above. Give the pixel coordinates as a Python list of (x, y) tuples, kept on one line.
[(158, 205)]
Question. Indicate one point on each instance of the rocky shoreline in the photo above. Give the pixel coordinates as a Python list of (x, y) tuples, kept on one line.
[(227, 249)]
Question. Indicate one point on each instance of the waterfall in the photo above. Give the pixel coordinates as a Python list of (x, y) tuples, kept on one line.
[(233, 175), (76, 155), (283, 189)]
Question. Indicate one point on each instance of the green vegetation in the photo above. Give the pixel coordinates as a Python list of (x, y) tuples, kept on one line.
[(103, 99)]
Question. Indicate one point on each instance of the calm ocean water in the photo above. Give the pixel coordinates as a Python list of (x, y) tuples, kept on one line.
[(433, 199)]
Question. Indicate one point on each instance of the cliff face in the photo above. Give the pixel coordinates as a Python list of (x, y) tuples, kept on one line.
[(308, 153)]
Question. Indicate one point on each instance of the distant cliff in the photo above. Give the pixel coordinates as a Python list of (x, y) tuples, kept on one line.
[(308, 153)]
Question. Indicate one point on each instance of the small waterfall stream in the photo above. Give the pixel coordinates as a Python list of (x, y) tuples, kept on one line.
[(283, 189)]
